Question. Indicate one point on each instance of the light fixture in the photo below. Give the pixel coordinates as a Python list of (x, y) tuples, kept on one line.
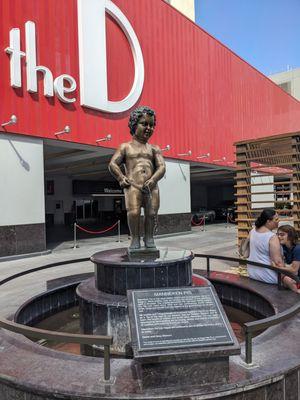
[(189, 153), (204, 155), (107, 138), (167, 148), (66, 129), (220, 159), (13, 120)]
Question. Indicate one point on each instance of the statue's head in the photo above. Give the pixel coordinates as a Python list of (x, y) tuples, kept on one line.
[(136, 114)]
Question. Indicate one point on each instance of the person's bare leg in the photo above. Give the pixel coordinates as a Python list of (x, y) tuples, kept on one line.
[(133, 205), (151, 208)]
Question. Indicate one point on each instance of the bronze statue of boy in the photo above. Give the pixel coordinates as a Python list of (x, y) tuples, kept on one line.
[(144, 167)]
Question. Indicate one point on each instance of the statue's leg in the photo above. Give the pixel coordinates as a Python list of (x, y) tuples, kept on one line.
[(133, 199), (151, 206)]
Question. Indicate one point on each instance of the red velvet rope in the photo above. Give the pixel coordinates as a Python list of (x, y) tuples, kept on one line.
[(230, 219), (201, 222), (96, 232)]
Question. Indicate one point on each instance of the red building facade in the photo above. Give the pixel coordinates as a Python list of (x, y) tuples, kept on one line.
[(85, 65), (205, 96)]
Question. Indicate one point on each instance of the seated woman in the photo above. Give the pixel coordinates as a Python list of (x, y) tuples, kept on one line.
[(291, 252), (265, 247)]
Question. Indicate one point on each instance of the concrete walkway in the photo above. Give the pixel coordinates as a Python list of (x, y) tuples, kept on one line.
[(217, 239), (215, 236)]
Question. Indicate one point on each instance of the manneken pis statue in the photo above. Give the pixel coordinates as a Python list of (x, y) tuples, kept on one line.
[(144, 167)]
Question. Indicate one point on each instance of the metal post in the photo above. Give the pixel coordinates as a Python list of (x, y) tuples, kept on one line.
[(248, 347), (207, 266), (74, 242), (106, 362), (227, 220), (119, 231), (203, 224)]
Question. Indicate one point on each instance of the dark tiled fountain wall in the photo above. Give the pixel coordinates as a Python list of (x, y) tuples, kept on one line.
[(285, 389), (22, 239), (59, 299), (47, 304), (243, 299), (286, 386), (11, 393)]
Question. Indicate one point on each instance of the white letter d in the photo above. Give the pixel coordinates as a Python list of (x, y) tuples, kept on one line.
[(92, 56)]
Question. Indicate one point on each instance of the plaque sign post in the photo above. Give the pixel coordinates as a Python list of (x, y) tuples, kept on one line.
[(180, 332), (179, 318)]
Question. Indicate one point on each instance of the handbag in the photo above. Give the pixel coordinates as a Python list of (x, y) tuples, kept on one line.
[(244, 248)]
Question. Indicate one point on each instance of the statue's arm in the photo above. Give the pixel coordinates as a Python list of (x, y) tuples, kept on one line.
[(160, 168), (159, 164), (115, 163)]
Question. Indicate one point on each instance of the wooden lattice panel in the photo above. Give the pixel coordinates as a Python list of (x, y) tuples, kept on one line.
[(277, 156)]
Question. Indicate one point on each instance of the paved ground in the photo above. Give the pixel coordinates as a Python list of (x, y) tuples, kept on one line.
[(216, 239)]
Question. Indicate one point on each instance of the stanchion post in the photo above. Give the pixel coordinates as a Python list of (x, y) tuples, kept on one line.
[(227, 220), (203, 230), (74, 244), (106, 363), (119, 231), (208, 266)]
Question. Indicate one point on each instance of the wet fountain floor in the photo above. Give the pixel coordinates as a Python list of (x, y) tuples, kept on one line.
[(68, 321)]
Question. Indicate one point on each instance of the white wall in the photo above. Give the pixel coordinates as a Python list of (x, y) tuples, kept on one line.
[(175, 191), (187, 7), (292, 76), (268, 199), (21, 180)]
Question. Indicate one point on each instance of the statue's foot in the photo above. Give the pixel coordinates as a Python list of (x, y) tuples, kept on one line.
[(135, 244), (149, 243)]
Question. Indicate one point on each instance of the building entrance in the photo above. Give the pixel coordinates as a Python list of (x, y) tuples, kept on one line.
[(212, 193), (79, 188)]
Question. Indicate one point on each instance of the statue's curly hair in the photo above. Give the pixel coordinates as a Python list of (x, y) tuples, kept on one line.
[(136, 114)]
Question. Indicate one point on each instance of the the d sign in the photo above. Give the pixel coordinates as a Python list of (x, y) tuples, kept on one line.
[(92, 56)]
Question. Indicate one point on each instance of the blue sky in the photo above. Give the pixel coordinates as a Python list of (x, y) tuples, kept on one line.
[(265, 33)]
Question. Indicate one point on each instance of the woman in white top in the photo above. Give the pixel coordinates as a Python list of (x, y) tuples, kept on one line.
[(265, 247)]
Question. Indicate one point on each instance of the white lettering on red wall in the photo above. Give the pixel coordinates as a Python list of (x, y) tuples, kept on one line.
[(92, 56), (92, 60)]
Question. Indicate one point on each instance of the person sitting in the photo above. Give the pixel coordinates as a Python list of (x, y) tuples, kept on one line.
[(291, 252), (265, 247)]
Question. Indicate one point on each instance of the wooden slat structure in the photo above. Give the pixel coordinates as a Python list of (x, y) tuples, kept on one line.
[(274, 156)]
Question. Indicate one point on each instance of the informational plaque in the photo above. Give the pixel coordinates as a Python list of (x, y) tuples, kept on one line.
[(178, 318)]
